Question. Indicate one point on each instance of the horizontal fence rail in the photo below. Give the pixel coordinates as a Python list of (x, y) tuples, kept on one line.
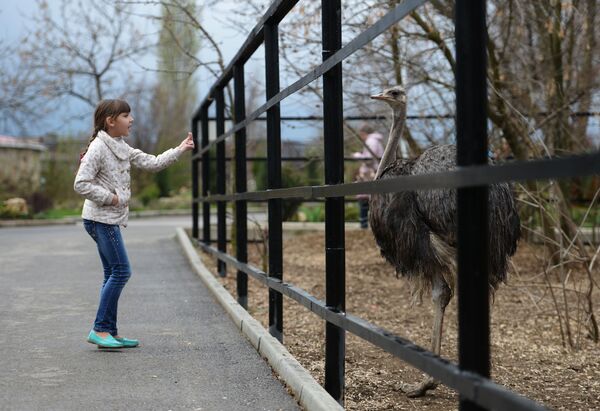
[(573, 166), (471, 179), (301, 159), (408, 117)]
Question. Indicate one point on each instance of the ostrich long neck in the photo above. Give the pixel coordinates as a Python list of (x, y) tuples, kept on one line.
[(389, 154)]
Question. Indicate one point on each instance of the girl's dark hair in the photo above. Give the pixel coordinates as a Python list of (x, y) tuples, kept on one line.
[(105, 109)]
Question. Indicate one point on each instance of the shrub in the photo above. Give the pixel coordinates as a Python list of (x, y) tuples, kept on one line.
[(40, 202), (351, 211), (316, 213), (9, 213), (149, 193)]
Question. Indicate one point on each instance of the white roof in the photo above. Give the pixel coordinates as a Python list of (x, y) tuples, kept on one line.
[(20, 142)]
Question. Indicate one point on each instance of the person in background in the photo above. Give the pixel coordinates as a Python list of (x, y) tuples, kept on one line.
[(503, 152), (372, 152)]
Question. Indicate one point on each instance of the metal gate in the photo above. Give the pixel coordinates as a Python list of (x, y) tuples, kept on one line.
[(470, 378)]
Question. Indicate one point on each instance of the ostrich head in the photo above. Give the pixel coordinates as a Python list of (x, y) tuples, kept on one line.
[(396, 98)]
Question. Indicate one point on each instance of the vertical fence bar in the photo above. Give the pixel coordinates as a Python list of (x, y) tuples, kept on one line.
[(221, 215), (205, 176), (335, 281), (471, 125), (274, 178), (195, 182), (241, 217)]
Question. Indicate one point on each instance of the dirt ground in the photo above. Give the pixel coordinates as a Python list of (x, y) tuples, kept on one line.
[(527, 353)]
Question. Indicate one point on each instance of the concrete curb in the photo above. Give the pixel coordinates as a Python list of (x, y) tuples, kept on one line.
[(75, 220), (310, 394), (38, 223)]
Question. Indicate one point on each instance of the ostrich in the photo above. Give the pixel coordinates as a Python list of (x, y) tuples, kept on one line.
[(416, 230)]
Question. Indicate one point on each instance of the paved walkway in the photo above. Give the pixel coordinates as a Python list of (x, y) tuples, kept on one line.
[(191, 355)]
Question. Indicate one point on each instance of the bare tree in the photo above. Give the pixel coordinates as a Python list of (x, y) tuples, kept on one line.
[(542, 77), (22, 99), (184, 14), (81, 52)]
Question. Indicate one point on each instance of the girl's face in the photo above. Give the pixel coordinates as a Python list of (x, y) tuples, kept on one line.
[(119, 126)]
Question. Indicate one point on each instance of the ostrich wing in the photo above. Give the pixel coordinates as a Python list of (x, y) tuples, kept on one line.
[(438, 207), (402, 233), (439, 211)]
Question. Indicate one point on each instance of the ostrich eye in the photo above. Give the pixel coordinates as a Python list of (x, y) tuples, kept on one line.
[(394, 93)]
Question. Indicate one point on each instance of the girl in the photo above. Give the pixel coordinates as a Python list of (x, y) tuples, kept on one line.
[(103, 179)]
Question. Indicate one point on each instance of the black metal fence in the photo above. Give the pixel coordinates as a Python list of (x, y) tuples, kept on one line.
[(470, 378)]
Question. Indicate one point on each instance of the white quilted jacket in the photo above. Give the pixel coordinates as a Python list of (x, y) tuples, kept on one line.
[(104, 171)]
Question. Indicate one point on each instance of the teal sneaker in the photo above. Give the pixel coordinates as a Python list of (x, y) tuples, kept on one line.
[(127, 343), (106, 342)]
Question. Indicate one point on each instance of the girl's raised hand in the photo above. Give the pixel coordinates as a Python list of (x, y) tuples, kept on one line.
[(188, 143)]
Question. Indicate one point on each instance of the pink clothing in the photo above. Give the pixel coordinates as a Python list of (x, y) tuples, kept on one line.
[(368, 168), (375, 143)]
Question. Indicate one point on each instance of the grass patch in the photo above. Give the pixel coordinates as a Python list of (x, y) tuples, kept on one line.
[(58, 213)]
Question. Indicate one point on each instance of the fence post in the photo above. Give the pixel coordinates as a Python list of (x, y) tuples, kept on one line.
[(195, 182), (274, 178), (240, 184), (335, 281), (471, 127), (221, 205), (205, 176)]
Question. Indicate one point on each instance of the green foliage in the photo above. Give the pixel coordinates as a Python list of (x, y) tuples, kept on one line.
[(58, 213), (311, 214), (173, 178), (180, 200), (59, 168), (291, 177), (174, 94), (11, 214), (163, 182), (149, 193), (314, 168), (352, 212), (181, 173), (259, 170), (593, 217), (39, 202), (316, 213)]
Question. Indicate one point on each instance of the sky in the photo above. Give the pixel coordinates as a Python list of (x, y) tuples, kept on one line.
[(12, 22), (14, 25)]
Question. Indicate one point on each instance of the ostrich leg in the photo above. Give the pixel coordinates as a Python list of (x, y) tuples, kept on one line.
[(441, 295)]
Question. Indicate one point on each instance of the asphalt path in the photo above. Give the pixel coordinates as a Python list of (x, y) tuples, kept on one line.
[(191, 356)]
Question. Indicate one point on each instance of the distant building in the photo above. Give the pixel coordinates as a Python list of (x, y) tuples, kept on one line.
[(20, 166)]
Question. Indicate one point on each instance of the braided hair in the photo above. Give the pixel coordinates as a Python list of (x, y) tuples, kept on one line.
[(109, 108)]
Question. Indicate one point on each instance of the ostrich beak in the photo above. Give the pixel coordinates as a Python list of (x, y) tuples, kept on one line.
[(379, 97)]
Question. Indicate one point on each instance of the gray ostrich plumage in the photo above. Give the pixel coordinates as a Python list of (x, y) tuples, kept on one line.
[(416, 230)]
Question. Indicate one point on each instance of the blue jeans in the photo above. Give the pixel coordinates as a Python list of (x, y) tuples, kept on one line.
[(363, 213), (116, 272)]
